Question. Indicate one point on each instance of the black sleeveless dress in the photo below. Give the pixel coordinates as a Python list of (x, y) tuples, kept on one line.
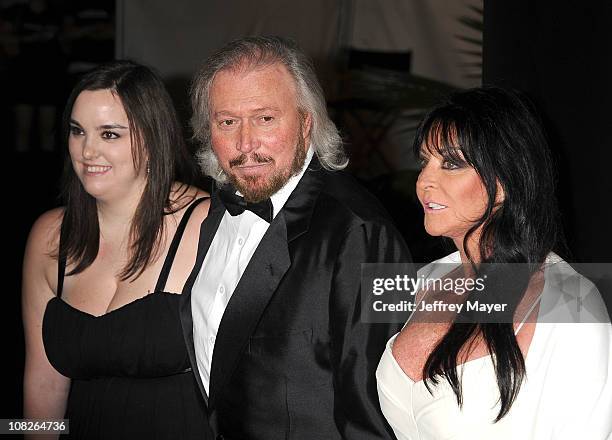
[(131, 377)]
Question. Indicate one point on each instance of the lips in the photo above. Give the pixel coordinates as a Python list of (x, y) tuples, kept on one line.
[(253, 165), (251, 169), (433, 206), (96, 169)]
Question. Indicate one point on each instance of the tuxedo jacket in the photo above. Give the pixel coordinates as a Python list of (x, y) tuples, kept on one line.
[(292, 359)]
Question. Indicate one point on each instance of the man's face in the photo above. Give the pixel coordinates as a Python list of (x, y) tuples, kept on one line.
[(257, 133)]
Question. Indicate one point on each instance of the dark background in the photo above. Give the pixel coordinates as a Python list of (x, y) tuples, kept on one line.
[(560, 54), (557, 52)]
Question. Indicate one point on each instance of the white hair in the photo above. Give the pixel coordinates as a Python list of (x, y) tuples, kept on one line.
[(256, 52)]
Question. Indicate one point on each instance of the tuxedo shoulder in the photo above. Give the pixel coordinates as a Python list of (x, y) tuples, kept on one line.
[(343, 194)]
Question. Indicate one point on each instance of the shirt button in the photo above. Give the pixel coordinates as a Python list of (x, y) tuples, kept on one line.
[(212, 339), (221, 289), (240, 241)]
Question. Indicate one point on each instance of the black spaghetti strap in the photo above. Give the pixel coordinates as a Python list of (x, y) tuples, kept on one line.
[(61, 263), (163, 275)]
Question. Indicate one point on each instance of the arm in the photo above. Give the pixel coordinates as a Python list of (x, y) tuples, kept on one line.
[(45, 391), (357, 346)]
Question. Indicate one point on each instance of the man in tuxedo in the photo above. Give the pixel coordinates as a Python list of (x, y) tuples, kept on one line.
[(272, 309)]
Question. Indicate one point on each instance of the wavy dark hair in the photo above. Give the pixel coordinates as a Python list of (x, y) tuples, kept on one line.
[(156, 138), (500, 135)]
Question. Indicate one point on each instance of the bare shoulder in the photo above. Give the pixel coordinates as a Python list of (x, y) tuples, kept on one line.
[(183, 195), (40, 262), (44, 235), (187, 250)]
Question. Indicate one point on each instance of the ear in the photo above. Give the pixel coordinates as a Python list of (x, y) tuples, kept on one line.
[(500, 197), (306, 125)]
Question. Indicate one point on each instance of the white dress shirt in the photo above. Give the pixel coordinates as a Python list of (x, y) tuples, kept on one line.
[(227, 258)]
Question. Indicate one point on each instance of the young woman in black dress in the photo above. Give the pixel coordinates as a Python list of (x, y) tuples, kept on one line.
[(104, 345)]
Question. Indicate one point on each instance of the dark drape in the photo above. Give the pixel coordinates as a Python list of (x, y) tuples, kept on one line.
[(560, 54)]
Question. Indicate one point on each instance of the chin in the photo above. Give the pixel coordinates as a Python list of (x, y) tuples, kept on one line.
[(434, 230), (98, 195), (434, 233), (97, 191)]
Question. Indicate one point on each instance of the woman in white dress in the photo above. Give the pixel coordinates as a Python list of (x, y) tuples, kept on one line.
[(542, 367)]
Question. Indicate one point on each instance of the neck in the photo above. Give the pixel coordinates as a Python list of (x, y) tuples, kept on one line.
[(473, 248), (115, 217)]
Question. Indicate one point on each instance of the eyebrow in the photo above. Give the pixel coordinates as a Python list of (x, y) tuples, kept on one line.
[(111, 126), (256, 110), (263, 109), (427, 149), (103, 127)]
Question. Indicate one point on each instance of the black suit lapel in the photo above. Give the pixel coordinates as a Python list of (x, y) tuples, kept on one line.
[(208, 230), (261, 277), (258, 283), (300, 205)]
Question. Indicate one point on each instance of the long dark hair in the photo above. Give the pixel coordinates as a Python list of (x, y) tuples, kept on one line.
[(156, 135), (501, 137)]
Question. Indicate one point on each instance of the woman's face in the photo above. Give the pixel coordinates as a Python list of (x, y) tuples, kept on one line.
[(452, 194), (101, 149)]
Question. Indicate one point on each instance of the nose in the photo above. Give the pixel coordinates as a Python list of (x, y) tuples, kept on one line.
[(427, 177), (90, 149), (248, 139)]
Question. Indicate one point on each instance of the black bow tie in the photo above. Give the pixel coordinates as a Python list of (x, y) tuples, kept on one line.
[(236, 205)]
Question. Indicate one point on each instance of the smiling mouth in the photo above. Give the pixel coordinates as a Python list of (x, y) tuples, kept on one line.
[(435, 206), (96, 169)]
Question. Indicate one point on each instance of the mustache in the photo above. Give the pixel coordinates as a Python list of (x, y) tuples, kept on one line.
[(244, 158)]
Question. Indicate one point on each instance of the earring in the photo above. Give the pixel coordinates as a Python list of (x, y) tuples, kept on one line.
[(148, 168)]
